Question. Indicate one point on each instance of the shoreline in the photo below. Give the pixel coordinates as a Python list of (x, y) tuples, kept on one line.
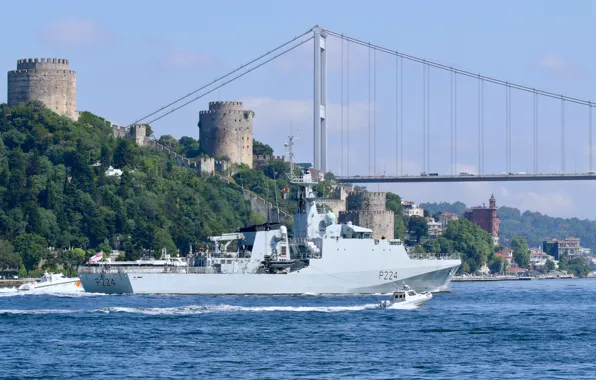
[(511, 278), (19, 282)]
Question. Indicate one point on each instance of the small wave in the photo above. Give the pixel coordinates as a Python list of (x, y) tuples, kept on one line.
[(197, 309), (8, 290), (205, 309), (36, 311), (47, 292)]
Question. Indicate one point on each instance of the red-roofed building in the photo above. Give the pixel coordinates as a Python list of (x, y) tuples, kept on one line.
[(447, 217), (506, 254)]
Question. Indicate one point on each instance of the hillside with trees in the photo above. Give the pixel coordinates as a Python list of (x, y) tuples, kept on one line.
[(533, 226), (54, 193)]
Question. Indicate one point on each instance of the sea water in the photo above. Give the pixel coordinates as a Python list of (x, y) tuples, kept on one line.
[(514, 329)]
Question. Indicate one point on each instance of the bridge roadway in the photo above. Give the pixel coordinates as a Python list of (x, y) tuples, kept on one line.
[(468, 178)]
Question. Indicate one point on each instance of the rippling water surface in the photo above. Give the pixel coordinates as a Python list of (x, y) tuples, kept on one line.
[(518, 329)]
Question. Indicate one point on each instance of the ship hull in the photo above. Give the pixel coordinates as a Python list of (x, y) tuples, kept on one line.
[(308, 281)]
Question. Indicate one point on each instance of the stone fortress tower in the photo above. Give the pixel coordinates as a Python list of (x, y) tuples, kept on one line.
[(372, 214), (226, 131), (48, 80)]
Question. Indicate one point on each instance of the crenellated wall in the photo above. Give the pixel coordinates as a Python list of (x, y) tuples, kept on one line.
[(226, 131), (48, 80), (136, 132), (372, 214), (381, 222), (260, 161)]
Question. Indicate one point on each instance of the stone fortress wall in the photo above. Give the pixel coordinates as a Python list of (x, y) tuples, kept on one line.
[(373, 215), (136, 132), (48, 80), (225, 130)]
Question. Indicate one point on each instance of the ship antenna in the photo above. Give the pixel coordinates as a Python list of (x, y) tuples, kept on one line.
[(275, 190), (290, 149), (269, 203)]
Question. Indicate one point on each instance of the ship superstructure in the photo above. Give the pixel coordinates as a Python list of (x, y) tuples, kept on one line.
[(321, 256)]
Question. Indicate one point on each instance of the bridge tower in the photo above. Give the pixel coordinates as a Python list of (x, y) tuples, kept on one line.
[(320, 99)]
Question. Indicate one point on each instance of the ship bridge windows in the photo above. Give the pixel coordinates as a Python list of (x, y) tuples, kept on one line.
[(355, 232), (356, 235)]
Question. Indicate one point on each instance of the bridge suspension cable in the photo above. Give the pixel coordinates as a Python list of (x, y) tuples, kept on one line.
[(227, 75), (508, 128), (423, 118), (535, 132), (428, 118), (401, 115), (230, 80), (397, 150), (480, 126), (590, 137), (463, 72), (562, 134)]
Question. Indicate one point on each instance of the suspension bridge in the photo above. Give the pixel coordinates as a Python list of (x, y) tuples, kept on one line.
[(433, 108)]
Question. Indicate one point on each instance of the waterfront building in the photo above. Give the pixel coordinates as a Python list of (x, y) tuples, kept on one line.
[(486, 218), (447, 217), (506, 254), (412, 209), (557, 247), (434, 228), (538, 258)]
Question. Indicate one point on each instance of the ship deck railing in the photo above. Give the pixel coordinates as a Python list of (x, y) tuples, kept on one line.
[(434, 256), (159, 269)]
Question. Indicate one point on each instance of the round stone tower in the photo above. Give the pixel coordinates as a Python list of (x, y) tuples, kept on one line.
[(226, 131), (372, 214), (48, 80)]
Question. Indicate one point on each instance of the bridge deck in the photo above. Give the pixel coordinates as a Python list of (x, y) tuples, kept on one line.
[(467, 178)]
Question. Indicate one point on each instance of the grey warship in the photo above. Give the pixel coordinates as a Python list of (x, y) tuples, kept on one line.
[(321, 257)]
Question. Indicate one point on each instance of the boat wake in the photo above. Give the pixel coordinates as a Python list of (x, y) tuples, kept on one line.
[(11, 292), (206, 309), (198, 309)]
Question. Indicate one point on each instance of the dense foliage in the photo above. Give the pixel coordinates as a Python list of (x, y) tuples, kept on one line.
[(54, 191), (464, 237), (260, 149), (533, 226), (438, 208), (393, 203), (521, 252)]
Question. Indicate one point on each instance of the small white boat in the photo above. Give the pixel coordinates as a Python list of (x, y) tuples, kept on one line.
[(406, 297), (53, 281)]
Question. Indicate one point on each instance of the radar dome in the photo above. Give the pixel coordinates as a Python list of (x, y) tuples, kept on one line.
[(283, 230), (330, 218)]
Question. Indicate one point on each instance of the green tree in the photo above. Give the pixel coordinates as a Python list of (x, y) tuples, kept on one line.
[(189, 147), (474, 244), (521, 253), (260, 149), (497, 264), (22, 271), (125, 154), (8, 258), (393, 203), (32, 249), (163, 239), (419, 249), (418, 227), (550, 265)]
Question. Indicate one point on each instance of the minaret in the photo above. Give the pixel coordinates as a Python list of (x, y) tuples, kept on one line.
[(492, 202)]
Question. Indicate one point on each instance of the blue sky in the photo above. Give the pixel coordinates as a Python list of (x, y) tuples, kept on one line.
[(132, 57)]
